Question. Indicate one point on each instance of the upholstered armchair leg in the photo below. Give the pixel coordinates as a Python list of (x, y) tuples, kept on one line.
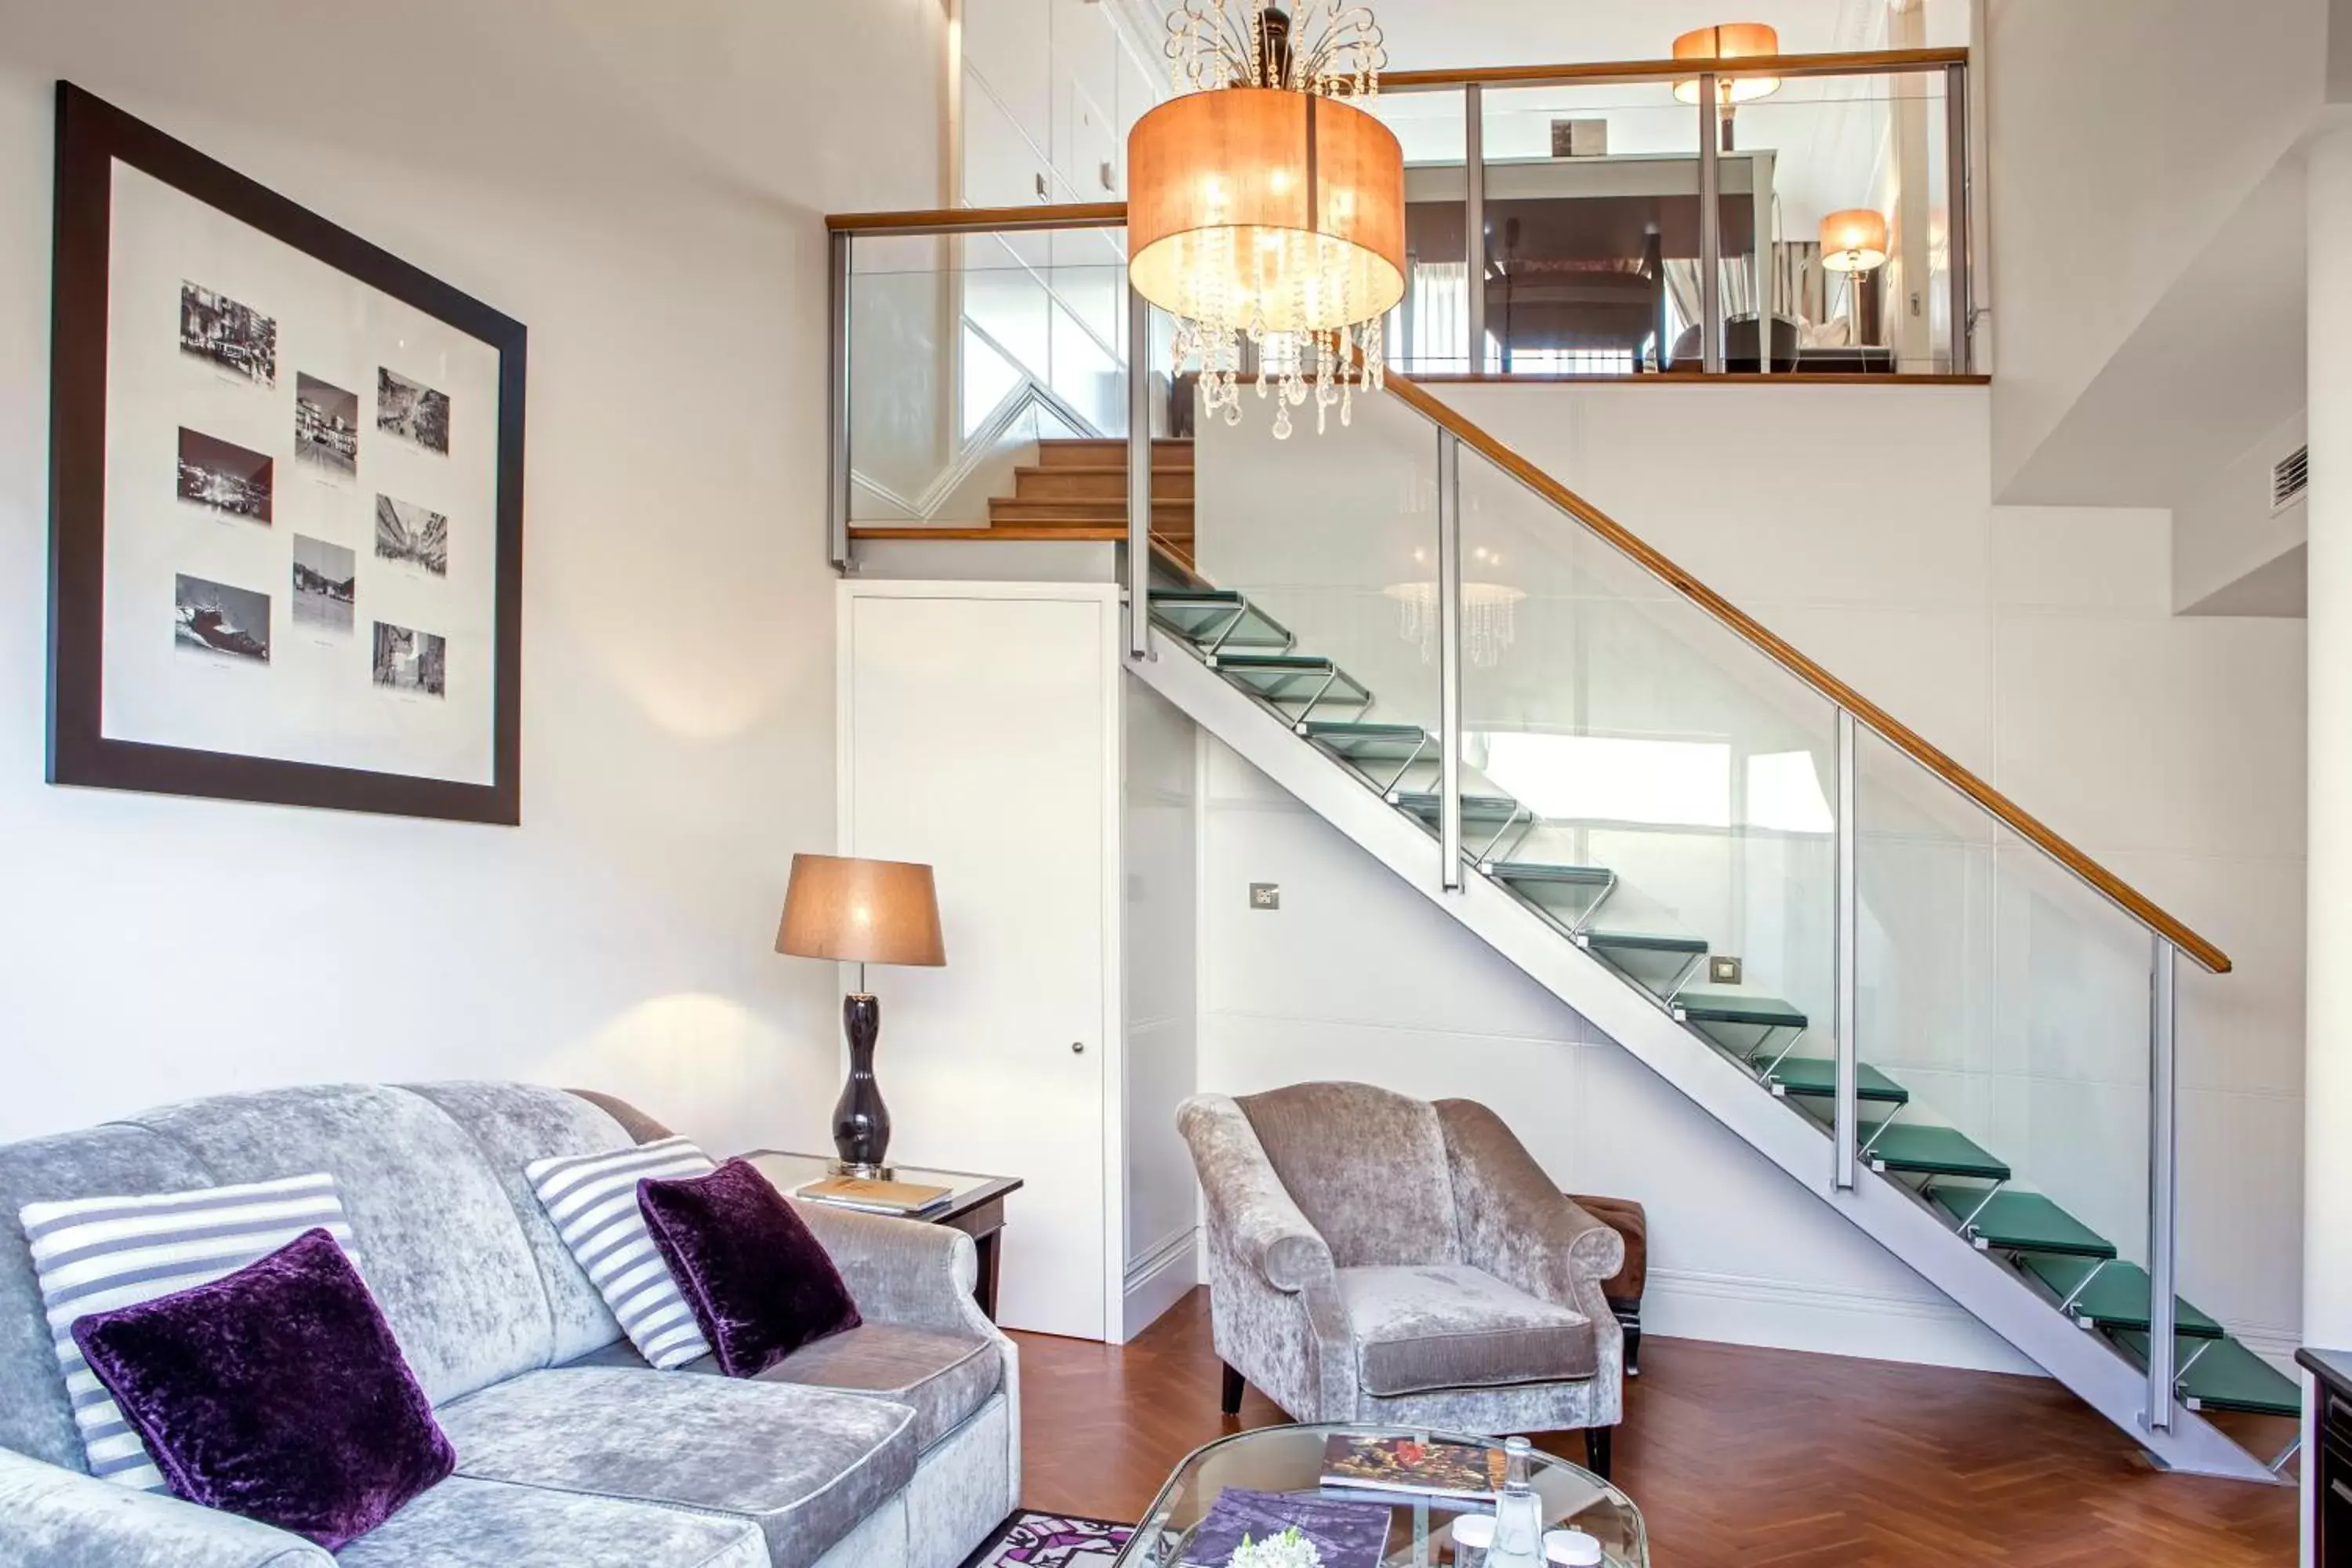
[(1233, 1398), (1596, 1449)]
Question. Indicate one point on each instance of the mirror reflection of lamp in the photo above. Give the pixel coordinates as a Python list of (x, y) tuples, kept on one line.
[(1854, 242), (1726, 42)]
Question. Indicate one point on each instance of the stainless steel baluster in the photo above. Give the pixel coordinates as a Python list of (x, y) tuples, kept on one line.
[(1710, 224), (1449, 660), (2163, 1194), (836, 415), (1473, 223), (1849, 945), (1138, 476)]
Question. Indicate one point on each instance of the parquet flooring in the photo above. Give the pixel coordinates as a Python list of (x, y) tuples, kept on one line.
[(1754, 1457)]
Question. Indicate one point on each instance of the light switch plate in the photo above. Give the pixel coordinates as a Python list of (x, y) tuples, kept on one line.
[(1722, 970), (1265, 895)]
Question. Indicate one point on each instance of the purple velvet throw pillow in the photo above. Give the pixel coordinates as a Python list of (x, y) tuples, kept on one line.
[(277, 1393), (760, 1284)]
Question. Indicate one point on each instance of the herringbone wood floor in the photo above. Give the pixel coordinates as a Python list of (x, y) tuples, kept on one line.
[(1737, 1456)]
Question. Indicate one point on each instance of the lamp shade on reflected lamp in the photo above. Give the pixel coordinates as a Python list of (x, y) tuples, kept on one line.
[(1854, 240), (1255, 205), (1729, 41), (861, 912)]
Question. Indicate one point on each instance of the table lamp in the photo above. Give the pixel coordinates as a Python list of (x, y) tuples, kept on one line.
[(861, 912)]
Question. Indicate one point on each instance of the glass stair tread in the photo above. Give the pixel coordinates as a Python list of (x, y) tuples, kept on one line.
[(1817, 1076), (1537, 872), (2227, 1376), (1734, 1007), (1475, 807), (2117, 1296), (2021, 1222), (1391, 743), (1292, 678), (1201, 615), (1929, 1151), (1644, 941)]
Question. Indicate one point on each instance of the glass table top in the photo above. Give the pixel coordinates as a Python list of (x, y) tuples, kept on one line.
[(791, 1171), (1420, 1529)]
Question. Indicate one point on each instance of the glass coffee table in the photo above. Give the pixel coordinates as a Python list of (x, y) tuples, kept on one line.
[(1421, 1532)]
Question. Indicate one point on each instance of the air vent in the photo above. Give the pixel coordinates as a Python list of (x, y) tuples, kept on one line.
[(2290, 476)]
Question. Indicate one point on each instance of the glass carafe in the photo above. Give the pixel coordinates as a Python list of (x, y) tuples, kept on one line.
[(1518, 1514)]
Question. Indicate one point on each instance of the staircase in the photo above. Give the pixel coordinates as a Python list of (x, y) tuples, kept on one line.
[(1954, 1210)]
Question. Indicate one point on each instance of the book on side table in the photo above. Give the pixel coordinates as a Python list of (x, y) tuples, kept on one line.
[(875, 1197)]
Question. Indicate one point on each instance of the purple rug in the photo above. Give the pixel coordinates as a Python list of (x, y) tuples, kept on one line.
[(1052, 1540)]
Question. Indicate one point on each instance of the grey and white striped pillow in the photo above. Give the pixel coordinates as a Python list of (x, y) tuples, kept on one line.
[(95, 1255), (592, 1199)]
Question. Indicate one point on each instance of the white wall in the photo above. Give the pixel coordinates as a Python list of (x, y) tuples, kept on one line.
[(2036, 645), (2120, 136), (2228, 534), (1164, 1004), (633, 187)]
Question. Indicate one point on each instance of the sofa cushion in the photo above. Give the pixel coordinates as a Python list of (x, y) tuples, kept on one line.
[(761, 1285), (591, 1200), (513, 1124), (944, 1377), (1417, 1330), (464, 1523), (1366, 1166), (438, 1242), (36, 1417), (99, 1254), (803, 1463)]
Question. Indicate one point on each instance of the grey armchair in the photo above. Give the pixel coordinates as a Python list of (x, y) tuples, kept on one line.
[(1381, 1260)]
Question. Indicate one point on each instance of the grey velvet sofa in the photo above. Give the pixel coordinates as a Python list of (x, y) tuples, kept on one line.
[(1381, 1259), (896, 1442)]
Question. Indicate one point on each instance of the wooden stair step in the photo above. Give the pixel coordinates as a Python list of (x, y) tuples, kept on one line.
[(1082, 512), (1072, 481), (1110, 453)]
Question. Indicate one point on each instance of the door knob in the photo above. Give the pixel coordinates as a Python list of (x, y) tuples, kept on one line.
[(1078, 1048)]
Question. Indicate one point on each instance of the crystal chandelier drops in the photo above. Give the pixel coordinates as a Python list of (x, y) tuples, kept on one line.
[(1266, 210), (1489, 612)]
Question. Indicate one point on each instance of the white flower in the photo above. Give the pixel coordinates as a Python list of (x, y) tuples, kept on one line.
[(1288, 1550)]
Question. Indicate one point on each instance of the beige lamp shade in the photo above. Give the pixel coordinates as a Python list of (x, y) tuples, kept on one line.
[(861, 912), (1254, 203), (1854, 240), (1730, 41)]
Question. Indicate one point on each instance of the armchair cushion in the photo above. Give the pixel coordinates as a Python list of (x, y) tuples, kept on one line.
[(1452, 1326), (1366, 1166)]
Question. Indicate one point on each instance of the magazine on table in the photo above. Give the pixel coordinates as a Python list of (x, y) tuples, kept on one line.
[(1461, 1473), (1344, 1534)]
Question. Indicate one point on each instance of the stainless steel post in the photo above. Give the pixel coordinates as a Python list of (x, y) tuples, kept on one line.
[(1139, 474), (1710, 224), (1449, 660), (2163, 1179), (1473, 221), (836, 414), (1961, 235), (1849, 945)]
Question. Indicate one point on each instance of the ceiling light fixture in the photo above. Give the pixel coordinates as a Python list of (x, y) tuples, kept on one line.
[(1265, 210)]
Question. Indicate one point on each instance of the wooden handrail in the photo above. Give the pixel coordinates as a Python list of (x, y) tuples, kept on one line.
[(981, 220), (1885, 724), (1864, 62)]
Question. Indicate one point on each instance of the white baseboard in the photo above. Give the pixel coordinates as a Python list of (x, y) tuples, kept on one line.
[(1160, 1279), (1776, 1314)]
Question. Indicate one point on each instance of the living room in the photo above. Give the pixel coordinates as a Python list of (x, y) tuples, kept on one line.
[(1710, 830)]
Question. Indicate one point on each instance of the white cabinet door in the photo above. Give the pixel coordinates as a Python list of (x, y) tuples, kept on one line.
[(980, 734)]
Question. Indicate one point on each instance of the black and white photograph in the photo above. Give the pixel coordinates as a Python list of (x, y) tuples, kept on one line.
[(413, 535), (326, 425), (326, 584), (234, 336), (412, 410), (407, 660), (225, 477), (215, 619)]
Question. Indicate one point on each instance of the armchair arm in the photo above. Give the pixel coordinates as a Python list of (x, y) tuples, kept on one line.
[(902, 1271), (1260, 1219), (50, 1514), (1516, 1225)]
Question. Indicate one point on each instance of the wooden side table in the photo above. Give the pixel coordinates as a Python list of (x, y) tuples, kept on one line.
[(975, 1204)]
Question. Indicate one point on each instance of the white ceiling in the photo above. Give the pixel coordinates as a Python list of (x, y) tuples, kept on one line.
[(1424, 35)]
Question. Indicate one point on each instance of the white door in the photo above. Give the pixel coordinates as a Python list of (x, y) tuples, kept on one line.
[(979, 735)]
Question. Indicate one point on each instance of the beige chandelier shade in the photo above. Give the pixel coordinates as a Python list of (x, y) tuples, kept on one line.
[(1731, 41), (1256, 203)]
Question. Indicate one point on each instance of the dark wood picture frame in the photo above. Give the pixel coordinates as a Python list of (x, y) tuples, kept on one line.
[(92, 136)]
